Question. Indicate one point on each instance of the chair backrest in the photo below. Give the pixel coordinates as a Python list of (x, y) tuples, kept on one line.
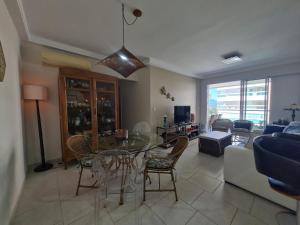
[(142, 128), (244, 124), (278, 157), (178, 149), (79, 145), (222, 125)]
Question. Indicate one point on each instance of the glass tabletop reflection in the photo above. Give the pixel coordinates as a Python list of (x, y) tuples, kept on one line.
[(133, 144)]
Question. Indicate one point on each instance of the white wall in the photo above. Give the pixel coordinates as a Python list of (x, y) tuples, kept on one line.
[(12, 168), (284, 92), (48, 77), (183, 88), (135, 100)]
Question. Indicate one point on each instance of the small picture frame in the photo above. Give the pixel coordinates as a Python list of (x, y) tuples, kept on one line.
[(2, 64)]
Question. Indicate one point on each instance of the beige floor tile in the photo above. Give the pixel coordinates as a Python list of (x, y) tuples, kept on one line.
[(67, 182), (90, 219), (172, 212), (199, 219), (188, 191), (143, 216), (215, 208), (74, 209), (46, 214), (116, 211), (206, 182), (236, 196), (38, 190), (243, 218), (265, 211)]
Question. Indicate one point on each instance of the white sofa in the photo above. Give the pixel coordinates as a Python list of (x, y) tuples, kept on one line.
[(239, 169)]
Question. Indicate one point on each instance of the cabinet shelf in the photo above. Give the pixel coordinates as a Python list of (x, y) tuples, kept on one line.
[(79, 89), (106, 92)]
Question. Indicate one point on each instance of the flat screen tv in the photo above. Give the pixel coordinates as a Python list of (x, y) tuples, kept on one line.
[(182, 114)]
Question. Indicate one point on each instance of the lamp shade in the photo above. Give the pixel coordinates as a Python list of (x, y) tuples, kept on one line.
[(34, 92)]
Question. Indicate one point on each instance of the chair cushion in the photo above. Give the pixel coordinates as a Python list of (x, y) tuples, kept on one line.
[(86, 162), (283, 188), (163, 163), (242, 125)]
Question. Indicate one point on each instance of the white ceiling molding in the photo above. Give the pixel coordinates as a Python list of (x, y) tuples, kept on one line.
[(23, 17), (65, 47)]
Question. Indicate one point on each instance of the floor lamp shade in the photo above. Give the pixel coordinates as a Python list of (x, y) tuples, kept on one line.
[(34, 92), (38, 93)]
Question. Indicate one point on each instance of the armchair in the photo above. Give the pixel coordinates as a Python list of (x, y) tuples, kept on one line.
[(222, 125), (278, 157)]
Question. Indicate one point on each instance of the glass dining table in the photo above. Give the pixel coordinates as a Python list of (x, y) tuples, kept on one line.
[(136, 145)]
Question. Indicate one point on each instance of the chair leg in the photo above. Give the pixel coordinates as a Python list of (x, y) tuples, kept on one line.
[(79, 180), (173, 180), (144, 186), (298, 213), (158, 181)]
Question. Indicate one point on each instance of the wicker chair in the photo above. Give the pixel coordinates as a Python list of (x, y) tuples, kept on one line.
[(80, 146), (165, 165)]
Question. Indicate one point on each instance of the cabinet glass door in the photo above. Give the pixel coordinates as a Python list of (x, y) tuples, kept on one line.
[(106, 107), (79, 106)]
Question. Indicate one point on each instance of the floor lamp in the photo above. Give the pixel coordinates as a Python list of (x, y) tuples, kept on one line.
[(38, 93)]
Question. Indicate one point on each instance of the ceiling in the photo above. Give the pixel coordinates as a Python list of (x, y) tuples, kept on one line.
[(188, 36)]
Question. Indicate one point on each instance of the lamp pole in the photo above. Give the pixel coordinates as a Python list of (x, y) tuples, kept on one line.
[(44, 166)]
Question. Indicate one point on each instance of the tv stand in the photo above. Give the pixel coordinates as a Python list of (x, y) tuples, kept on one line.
[(170, 134)]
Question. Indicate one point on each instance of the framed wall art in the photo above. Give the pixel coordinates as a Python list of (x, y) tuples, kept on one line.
[(2, 64)]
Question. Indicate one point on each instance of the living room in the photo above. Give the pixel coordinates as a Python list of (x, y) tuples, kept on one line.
[(191, 107)]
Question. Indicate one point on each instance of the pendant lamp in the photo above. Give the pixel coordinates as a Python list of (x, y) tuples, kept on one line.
[(123, 61)]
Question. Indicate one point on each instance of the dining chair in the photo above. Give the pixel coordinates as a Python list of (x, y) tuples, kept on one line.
[(81, 148), (120, 176), (165, 165), (142, 128)]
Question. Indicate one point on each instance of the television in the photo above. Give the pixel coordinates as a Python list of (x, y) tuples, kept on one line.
[(182, 114)]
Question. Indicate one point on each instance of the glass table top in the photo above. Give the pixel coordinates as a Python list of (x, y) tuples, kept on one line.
[(134, 143)]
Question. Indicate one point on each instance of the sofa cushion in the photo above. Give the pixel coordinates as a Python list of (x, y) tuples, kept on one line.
[(293, 128), (272, 128)]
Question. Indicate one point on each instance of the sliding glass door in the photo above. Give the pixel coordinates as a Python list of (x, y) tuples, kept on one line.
[(224, 98), (243, 99), (256, 103)]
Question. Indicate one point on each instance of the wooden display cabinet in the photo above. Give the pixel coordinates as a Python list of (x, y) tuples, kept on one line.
[(89, 105)]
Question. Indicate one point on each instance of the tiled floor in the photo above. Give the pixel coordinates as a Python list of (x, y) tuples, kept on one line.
[(204, 199)]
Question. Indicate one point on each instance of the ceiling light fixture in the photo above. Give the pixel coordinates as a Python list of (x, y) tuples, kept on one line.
[(232, 57), (123, 61)]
